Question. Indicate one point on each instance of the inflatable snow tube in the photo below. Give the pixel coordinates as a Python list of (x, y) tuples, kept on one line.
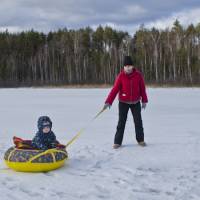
[(26, 160)]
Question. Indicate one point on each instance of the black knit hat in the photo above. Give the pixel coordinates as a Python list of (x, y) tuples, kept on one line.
[(128, 61)]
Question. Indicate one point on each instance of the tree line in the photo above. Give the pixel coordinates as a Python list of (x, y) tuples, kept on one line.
[(87, 56)]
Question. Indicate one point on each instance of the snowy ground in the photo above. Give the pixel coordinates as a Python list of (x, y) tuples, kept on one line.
[(168, 168)]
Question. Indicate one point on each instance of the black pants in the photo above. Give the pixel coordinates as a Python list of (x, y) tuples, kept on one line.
[(123, 112)]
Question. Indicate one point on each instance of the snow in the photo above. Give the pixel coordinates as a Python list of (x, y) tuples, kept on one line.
[(168, 168)]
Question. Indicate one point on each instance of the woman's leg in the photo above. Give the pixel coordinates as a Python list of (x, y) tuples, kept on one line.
[(136, 112), (123, 111)]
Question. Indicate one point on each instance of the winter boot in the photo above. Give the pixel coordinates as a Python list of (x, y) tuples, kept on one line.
[(116, 146), (143, 144)]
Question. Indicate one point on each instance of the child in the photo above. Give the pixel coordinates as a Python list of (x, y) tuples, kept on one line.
[(45, 138)]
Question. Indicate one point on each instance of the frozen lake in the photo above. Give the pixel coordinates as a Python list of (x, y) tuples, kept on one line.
[(168, 168)]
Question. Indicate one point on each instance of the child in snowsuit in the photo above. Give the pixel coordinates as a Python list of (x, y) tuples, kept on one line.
[(45, 138)]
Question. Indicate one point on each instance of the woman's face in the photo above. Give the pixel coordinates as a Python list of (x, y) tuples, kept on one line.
[(128, 69)]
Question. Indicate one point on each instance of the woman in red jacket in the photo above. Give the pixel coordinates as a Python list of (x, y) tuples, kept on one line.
[(131, 88)]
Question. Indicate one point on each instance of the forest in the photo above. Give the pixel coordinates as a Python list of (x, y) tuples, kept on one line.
[(95, 57)]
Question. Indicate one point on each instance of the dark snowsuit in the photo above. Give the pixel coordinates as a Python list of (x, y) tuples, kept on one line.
[(44, 141)]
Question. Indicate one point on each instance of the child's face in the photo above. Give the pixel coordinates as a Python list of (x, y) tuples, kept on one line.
[(46, 129)]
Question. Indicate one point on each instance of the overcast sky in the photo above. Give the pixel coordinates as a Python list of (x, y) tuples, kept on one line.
[(126, 15)]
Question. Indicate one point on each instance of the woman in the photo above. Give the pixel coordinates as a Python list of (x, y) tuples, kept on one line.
[(131, 88)]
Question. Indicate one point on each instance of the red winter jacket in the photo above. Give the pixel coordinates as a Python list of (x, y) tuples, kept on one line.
[(131, 87)]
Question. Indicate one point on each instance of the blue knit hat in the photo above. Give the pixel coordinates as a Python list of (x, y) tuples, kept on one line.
[(44, 121)]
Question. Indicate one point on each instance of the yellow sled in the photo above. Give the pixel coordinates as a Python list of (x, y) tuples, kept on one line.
[(26, 160)]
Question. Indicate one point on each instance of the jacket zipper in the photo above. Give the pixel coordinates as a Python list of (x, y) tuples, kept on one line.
[(131, 90)]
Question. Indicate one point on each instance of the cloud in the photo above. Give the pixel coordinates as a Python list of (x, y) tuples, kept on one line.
[(185, 17), (50, 14), (127, 15)]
